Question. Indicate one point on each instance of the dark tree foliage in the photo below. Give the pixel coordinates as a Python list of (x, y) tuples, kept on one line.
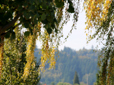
[(76, 79), (29, 13)]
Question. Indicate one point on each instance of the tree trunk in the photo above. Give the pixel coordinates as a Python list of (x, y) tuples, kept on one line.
[(1, 54)]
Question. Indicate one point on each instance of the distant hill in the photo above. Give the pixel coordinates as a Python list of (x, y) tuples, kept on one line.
[(84, 62)]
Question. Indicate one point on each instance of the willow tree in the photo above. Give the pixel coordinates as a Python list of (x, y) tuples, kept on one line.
[(14, 62), (100, 16), (35, 15)]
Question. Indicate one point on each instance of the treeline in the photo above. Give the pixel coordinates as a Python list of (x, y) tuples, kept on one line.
[(84, 62)]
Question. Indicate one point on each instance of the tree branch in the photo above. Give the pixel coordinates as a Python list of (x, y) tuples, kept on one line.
[(4, 33), (3, 29)]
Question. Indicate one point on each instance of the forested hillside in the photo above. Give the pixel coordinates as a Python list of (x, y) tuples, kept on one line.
[(84, 62)]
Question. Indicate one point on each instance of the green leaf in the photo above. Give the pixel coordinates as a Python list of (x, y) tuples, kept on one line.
[(43, 16), (45, 21), (26, 15), (27, 33), (40, 6), (7, 35), (26, 25), (71, 9), (59, 3), (49, 30), (35, 19)]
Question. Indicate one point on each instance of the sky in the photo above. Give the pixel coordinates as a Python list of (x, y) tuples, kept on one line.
[(77, 39)]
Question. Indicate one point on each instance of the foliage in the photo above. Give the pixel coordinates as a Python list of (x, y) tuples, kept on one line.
[(76, 80), (83, 61), (14, 62), (30, 12), (35, 15), (52, 83), (106, 65), (100, 16), (63, 83), (82, 83), (76, 84)]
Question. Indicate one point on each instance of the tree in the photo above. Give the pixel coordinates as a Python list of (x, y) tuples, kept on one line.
[(63, 83), (34, 15), (52, 83), (14, 62), (100, 16), (76, 79)]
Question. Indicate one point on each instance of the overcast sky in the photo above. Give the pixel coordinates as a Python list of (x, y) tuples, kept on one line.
[(77, 40)]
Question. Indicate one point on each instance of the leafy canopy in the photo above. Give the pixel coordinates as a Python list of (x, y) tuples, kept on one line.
[(100, 16), (30, 12), (35, 15)]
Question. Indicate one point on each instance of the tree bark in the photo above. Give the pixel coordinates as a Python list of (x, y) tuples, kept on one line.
[(1, 54)]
